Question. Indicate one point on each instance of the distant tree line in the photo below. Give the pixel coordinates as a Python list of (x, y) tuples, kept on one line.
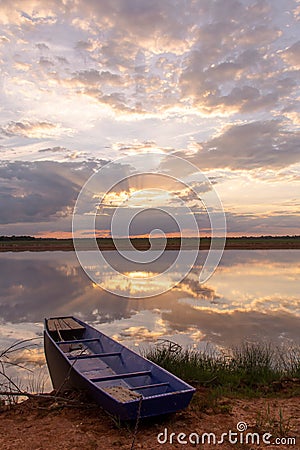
[(22, 238), (32, 238)]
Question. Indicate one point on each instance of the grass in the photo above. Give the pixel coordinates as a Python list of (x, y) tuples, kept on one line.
[(7, 383), (274, 421), (251, 369)]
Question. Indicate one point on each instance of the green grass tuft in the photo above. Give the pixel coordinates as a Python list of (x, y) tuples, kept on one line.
[(249, 368)]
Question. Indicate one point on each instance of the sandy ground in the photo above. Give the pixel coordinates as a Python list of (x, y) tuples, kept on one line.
[(48, 424)]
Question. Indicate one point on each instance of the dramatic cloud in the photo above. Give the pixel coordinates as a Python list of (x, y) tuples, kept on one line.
[(40, 191)]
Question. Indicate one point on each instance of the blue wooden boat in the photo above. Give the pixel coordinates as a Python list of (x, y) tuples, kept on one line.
[(118, 379)]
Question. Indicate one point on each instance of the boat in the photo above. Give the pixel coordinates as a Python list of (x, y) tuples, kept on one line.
[(121, 381)]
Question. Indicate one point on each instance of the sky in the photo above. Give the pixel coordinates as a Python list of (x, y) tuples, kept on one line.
[(215, 82)]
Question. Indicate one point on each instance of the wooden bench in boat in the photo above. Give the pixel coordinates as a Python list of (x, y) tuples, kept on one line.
[(121, 376), (95, 355), (149, 386), (64, 324), (78, 341)]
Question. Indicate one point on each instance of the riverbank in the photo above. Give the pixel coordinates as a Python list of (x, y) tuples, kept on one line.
[(255, 391), (17, 244), (40, 423)]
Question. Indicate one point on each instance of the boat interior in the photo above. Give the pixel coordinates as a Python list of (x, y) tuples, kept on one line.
[(123, 374)]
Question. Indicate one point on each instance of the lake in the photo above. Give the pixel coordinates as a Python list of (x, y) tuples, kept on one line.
[(253, 296)]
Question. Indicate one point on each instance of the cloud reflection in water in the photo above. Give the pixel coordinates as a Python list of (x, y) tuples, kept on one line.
[(252, 294)]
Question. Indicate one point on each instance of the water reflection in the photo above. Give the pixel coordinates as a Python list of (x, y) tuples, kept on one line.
[(252, 295)]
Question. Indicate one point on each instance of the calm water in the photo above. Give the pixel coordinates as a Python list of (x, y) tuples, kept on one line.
[(253, 295)]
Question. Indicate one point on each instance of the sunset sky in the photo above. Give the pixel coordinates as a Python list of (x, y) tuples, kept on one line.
[(215, 82)]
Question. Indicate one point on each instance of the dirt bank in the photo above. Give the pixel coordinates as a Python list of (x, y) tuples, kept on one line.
[(49, 424)]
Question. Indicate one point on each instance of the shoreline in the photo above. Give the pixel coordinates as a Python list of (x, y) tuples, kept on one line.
[(142, 244)]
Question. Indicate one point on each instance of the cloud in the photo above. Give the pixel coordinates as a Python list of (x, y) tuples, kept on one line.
[(94, 77), (276, 223), (42, 191), (46, 63), (227, 70), (64, 152), (42, 46), (4, 40), (142, 22), (37, 197), (53, 150), (38, 19), (33, 129), (135, 146), (84, 45), (292, 55), (138, 57), (236, 84), (30, 11), (250, 146)]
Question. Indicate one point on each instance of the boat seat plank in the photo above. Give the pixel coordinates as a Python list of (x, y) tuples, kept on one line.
[(64, 324), (121, 375), (95, 355), (149, 386), (71, 324), (78, 341)]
